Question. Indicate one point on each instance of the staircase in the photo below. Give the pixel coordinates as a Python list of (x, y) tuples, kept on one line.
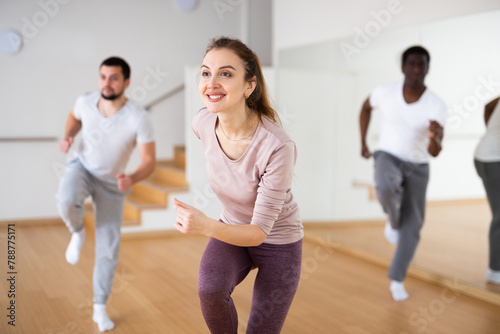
[(370, 186), (152, 193)]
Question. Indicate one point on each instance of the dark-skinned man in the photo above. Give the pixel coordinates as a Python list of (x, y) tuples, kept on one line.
[(411, 132)]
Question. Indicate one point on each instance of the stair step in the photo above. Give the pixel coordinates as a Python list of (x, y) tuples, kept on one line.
[(372, 193), (148, 193), (167, 163), (169, 174), (131, 212), (128, 219), (180, 156), (143, 203), (164, 185)]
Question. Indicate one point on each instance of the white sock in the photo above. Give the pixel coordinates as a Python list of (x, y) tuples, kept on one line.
[(493, 276), (75, 246), (101, 318), (391, 234), (398, 291)]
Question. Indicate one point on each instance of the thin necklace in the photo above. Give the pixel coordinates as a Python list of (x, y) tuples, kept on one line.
[(224, 133)]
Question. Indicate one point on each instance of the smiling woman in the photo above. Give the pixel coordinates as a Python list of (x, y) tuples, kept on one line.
[(224, 83), (250, 162)]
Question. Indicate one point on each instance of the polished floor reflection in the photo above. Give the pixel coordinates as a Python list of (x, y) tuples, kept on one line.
[(454, 241)]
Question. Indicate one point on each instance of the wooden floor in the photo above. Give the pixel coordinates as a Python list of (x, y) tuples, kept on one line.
[(454, 241), (155, 292)]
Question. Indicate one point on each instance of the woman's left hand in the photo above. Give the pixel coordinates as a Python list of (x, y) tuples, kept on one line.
[(189, 219)]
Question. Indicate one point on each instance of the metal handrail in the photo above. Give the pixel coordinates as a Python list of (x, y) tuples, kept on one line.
[(163, 97), (26, 139), (148, 107)]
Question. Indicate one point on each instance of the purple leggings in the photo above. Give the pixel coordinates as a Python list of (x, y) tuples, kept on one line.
[(224, 266)]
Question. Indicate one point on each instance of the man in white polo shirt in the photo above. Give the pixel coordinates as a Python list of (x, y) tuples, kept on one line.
[(111, 126), (411, 131)]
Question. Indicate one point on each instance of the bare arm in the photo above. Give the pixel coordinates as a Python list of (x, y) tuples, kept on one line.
[(73, 126), (148, 160), (193, 221), (146, 167), (364, 121), (436, 133), (488, 110)]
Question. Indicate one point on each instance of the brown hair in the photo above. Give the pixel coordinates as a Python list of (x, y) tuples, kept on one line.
[(259, 99)]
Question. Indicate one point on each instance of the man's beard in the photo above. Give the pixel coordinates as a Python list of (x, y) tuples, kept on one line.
[(112, 96)]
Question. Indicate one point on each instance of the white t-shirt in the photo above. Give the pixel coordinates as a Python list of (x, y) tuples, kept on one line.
[(488, 149), (107, 143), (404, 126)]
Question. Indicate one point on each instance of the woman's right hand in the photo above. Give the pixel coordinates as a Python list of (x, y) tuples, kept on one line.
[(189, 219)]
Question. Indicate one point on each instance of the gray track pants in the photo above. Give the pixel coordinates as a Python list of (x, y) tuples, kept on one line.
[(490, 174), (401, 188), (77, 184)]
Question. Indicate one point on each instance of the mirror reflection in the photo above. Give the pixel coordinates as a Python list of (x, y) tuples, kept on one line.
[(337, 78)]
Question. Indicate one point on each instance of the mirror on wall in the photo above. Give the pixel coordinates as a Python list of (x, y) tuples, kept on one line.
[(322, 87)]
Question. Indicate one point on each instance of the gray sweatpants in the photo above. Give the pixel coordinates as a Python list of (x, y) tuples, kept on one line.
[(77, 184), (401, 188), (490, 174)]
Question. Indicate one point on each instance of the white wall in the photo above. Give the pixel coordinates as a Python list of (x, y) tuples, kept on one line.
[(463, 55), (65, 40), (298, 22), (29, 175), (260, 28)]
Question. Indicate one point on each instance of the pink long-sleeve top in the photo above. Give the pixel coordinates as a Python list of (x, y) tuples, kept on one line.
[(255, 188)]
